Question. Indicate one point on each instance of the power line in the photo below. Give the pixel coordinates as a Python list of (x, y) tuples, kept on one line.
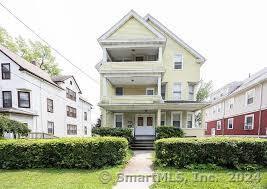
[(42, 39)]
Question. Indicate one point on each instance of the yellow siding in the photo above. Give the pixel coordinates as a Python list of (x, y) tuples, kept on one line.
[(133, 29), (136, 90)]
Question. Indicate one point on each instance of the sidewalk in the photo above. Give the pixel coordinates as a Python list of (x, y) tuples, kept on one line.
[(134, 175)]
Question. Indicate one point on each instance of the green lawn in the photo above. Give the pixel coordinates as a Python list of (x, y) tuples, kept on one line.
[(56, 178), (211, 179)]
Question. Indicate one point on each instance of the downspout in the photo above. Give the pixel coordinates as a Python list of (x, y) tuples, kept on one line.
[(259, 128), (223, 117)]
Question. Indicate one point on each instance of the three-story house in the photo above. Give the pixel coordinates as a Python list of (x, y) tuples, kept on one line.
[(148, 77)]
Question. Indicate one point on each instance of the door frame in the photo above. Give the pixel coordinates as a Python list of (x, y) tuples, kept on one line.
[(145, 122)]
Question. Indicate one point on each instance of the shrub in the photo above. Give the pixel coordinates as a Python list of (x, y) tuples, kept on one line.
[(168, 132), (87, 153), (227, 152), (117, 132)]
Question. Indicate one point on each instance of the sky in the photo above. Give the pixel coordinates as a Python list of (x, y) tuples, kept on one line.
[(230, 34)]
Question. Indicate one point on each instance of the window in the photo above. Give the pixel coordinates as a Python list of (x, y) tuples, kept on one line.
[(250, 97), (139, 58), (149, 91), (230, 123), (178, 62), (149, 121), (249, 122), (85, 116), (190, 120), (71, 112), (50, 105), (219, 107), (119, 91), (231, 103), (85, 130), (163, 91), (191, 91), (163, 119), (140, 121), (118, 120), (214, 109), (176, 119), (206, 126), (177, 91), (24, 99), (71, 129), (219, 125), (5, 70), (50, 127), (70, 94), (7, 99)]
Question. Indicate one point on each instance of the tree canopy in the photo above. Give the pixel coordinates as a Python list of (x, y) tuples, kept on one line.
[(204, 91), (31, 51)]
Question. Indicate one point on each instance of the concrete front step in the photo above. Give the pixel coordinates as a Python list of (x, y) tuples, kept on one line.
[(142, 148)]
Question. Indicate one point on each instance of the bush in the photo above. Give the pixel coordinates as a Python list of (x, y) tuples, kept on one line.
[(117, 132), (87, 153), (227, 152), (168, 132)]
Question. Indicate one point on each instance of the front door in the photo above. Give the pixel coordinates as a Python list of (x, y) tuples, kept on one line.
[(144, 124)]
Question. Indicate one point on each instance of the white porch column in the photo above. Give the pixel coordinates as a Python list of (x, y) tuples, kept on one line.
[(159, 86), (159, 118), (105, 55), (104, 86), (160, 55)]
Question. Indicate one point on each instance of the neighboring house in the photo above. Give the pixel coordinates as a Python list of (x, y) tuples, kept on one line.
[(47, 105), (148, 77), (239, 108)]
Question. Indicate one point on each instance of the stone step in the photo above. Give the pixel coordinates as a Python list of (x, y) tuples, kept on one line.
[(144, 145), (142, 148)]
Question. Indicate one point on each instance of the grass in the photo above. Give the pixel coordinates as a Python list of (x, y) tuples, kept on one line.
[(50, 178), (211, 179)]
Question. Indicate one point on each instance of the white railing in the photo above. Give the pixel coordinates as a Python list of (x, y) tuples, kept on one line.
[(133, 99)]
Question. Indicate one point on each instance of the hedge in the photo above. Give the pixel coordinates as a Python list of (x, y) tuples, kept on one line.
[(86, 153), (117, 132), (226, 152), (168, 132)]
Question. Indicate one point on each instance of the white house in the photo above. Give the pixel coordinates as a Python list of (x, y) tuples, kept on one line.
[(47, 105), (239, 108)]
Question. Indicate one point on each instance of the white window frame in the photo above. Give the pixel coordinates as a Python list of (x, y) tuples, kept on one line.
[(181, 117), (122, 91), (219, 121), (253, 94), (114, 121), (193, 120), (147, 89), (182, 63), (214, 108), (177, 83), (206, 126), (164, 113), (231, 101), (189, 93), (219, 108), (245, 121), (228, 123)]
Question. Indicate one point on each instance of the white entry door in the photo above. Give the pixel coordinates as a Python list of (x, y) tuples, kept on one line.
[(213, 132), (144, 124)]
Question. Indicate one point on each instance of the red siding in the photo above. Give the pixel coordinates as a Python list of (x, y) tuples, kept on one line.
[(239, 122)]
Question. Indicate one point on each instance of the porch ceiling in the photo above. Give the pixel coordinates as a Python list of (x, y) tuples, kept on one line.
[(154, 107)]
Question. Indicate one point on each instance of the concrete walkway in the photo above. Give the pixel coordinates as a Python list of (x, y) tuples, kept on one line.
[(138, 172)]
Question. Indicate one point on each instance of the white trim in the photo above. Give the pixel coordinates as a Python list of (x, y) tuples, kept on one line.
[(181, 117), (145, 119), (174, 62), (219, 121), (193, 120), (128, 16), (245, 121), (150, 89), (246, 96), (200, 58), (114, 121), (165, 115), (228, 121)]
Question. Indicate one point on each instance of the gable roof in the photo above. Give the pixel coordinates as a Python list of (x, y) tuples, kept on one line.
[(165, 30), (131, 14), (29, 67), (62, 78)]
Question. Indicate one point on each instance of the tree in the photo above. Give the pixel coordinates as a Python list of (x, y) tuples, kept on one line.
[(202, 95), (12, 126), (31, 51)]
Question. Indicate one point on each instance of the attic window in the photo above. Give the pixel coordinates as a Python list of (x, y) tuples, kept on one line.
[(70, 82)]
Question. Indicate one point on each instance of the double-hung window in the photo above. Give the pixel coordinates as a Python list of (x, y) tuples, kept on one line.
[(191, 89), (219, 125), (70, 94), (71, 112), (50, 105), (50, 127), (178, 62), (163, 119), (177, 91), (7, 99), (119, 91), (230, 123), (250, 95), (176, 118), (71, 129), (249, 122), (85, 130), (24, 99), (5, 67), (118, 120), (231, 103), (85, 116), (190, 120)]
